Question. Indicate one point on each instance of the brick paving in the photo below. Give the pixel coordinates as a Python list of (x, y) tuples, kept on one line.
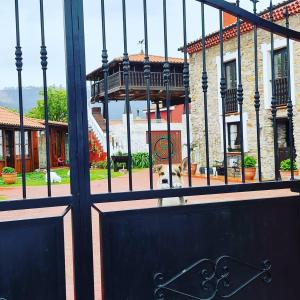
[(141, 182)]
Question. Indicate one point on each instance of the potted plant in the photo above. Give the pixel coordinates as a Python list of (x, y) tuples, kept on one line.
[(9, 175), (285, 169), (250, 167)]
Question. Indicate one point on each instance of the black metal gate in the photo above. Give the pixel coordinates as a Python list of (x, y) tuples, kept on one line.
[(239, 250)]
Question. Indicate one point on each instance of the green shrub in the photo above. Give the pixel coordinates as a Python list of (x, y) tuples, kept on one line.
[(140, 160), (102, 164), (285, 165), (8, 170), (249, 162)]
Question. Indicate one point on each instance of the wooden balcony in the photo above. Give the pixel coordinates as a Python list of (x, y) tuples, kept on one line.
[(138, 88)]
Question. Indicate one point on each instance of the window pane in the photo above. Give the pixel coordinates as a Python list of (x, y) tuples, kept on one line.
[(17, 142), (234, 136), (230, 74), (280, 63), (26, 143)]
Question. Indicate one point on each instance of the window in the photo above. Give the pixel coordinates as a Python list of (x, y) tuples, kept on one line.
[(1, 145), (230, 74), (18, 143), (234, 143), (281, 63), (231, 105), (281, 76)]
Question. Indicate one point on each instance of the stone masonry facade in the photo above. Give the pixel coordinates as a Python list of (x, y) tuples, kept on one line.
[(248, 81)]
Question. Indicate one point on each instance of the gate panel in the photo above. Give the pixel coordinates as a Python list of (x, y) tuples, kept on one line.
[(32, 259), (261, 238)]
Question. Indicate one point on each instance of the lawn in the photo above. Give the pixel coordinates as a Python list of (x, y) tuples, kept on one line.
[(38, 178)]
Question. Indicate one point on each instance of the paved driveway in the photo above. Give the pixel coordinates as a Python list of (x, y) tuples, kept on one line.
[(141, 181)]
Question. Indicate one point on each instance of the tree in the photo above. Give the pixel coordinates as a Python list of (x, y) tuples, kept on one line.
[(57, 106)]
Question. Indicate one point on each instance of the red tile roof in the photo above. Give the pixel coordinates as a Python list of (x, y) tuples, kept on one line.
[(231, 31), (10, 118), (153, 59), (137, 58)]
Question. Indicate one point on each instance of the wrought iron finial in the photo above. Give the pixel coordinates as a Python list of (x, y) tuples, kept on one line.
[(271, 10), (254, 5), (287, 16), (238, 3)]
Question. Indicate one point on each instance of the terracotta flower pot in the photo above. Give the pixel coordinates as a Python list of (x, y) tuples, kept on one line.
[(250, 173), (9, 178), (286, 175)]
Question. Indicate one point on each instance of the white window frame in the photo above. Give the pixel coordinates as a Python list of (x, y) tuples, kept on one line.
[(267, 72), (234, 119)]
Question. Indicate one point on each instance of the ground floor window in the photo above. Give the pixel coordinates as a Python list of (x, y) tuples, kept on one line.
[(234, 143), (1, 145), (18, 143), (283, 133)]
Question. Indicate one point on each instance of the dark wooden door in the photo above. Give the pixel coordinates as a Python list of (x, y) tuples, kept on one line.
[(9, 148), (160, 146)]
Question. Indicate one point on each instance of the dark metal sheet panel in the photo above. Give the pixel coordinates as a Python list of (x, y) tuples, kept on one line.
[(138, 244), (32, 260)]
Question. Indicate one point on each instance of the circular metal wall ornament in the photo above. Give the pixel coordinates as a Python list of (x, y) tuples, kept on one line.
[(161, 148)]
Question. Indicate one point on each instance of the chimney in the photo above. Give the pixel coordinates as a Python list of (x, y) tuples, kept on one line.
[(229, 19)]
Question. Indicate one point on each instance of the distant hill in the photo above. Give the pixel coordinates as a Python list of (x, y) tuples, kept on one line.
[(9, 97)]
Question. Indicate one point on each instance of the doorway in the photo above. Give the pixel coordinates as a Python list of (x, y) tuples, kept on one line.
[(9, 148)]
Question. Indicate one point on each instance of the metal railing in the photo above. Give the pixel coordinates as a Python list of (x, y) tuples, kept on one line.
[(281, 91), (136, 80), (231, 103)]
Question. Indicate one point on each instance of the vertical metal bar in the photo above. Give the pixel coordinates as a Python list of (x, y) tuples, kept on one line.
[(79, 152), (44, 64), (205, 88), (223, 96), (257, 96), (147, 76), (186, 93), (126, 68), (290, 112), (166, 74), (105, 69), (240, 95), (274, 102), (19, 66)]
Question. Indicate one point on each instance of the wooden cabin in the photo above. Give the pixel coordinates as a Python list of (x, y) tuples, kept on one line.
[(35, 142), (10, 141), (59, 145)]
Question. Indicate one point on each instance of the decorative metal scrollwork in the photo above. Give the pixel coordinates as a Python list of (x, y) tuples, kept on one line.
[(215, 279)]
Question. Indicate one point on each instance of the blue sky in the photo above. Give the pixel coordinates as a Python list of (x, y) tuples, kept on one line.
[(30, 34)]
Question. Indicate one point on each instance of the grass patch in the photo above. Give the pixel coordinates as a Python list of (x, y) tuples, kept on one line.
[(2, 198), (38, 178)]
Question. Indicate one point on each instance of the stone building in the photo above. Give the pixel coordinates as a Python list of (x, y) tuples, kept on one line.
[(248, 81)]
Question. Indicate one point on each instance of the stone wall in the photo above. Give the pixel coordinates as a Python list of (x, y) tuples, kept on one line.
[(248, 80)]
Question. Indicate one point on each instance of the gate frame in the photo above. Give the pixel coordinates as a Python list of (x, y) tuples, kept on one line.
[(79, 157)]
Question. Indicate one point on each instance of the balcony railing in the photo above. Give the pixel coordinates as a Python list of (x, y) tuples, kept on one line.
[(231, 105), (281, 91), (137, 80)]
